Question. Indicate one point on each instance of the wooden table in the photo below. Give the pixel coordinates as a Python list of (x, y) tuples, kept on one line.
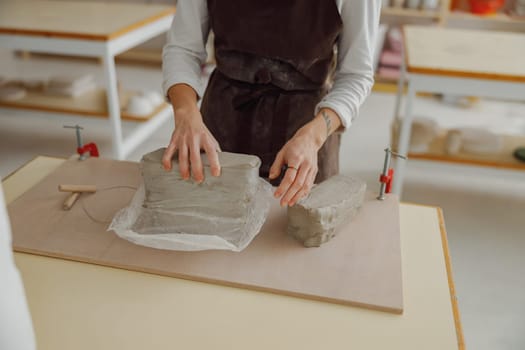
[(89, 29), (81, 306), (460, 62)]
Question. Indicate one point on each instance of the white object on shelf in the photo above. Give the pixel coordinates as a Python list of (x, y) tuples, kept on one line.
[(70, 91), (413, 4), (430, 4), (453, 142), (473, 140), (397, 3), (424, 131), (12, 93), (70, 85), (139, 105), (480, 141), (154, 97), (74, 81)]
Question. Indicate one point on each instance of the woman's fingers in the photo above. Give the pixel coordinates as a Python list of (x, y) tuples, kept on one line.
[(196, 163), (190, 137), (287, 181), (189, 153), (297, 184), (168, 154), (213, 158), (215, 143), (307, 186), (184, 165), (275, 169)]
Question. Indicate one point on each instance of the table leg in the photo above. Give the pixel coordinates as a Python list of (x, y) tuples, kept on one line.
[(404, 140), (400, 88), (113, 106)]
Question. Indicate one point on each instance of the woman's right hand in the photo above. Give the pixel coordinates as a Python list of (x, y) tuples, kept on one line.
[(190, 137)]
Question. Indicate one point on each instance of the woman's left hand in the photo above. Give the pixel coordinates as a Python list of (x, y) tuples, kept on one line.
[(299, 155)]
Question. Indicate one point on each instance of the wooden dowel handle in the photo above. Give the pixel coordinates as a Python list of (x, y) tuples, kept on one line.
[(70, 200), (77, 188)]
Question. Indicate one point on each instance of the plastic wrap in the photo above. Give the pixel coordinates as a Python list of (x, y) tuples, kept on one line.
[(223, 212)]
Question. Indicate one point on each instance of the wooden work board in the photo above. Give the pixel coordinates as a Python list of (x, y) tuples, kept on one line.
[(360, 267)]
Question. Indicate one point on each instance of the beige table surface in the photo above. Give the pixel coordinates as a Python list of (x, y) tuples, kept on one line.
[(465, 53), (81, 306), (77, 19)]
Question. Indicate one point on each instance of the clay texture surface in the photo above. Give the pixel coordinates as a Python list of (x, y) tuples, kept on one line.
[(227, 206), (317, 218)]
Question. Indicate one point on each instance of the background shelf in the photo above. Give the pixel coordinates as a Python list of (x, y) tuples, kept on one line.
[(504, 159), (410, 13), (92, 104)]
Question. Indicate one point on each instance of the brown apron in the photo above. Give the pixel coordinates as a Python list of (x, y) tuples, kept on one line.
[(273, 60)]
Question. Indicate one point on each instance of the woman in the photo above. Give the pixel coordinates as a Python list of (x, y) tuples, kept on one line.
[(268, 95)]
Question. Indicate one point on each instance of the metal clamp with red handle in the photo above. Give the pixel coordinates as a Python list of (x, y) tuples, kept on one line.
[(387, 180), (87, 150), (90, 148), (387, 176)]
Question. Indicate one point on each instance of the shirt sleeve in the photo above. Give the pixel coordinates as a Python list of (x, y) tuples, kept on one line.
[(185, 50), (354, 75)]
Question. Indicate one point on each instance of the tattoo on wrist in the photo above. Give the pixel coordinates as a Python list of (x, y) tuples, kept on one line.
[(328, 123)]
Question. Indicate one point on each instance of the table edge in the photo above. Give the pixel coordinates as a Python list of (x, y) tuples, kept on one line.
[(20, 167), (452, 288), (463, 74), (86, 36)]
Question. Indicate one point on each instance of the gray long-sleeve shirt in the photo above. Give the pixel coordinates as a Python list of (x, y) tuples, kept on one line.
[(185, 52)]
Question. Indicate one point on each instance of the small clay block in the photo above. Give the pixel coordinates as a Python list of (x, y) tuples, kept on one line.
[(317, 218)]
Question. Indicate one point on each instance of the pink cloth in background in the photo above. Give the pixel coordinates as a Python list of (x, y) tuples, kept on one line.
[(390, 58), (389, 73)]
